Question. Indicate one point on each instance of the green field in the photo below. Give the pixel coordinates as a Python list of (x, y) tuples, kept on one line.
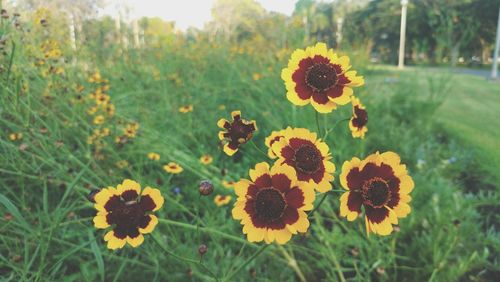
[(442, 125)]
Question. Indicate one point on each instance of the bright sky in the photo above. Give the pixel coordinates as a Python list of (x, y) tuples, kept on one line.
[(186, 12)]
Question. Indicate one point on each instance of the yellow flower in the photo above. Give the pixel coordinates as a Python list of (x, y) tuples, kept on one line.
[(222, 107), (236, 132), (131, 129), (359, 119), (154, 156), (320, 77), (92, 110), (110, 109), (173, 168), (256, 76), (128, 214), (98, 120), (381, 185), (102, 99), (222, 200), (186, 109), (15, 136), (272, 204), (228, 184), (206, 159), (122, 164)]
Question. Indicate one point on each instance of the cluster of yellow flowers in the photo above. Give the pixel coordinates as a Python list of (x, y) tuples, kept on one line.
[(276, 201)]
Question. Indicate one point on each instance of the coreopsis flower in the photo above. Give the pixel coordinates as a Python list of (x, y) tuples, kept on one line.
[(269, 141), (380, 184), (308, 155), (318, 76), (359, 119), (128, 211), (222, 200), (256, 76), (154, 156), (99, 119), (186, 109), (173, 168), (236, 132), (15, 136), (109, 109), (131, 129), (92, 110), (122, 164), (228, 184), (206, 159), (102, 99), (272, 205)]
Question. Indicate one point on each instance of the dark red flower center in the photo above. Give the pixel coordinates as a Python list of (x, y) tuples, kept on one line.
[(321, 77), (127, 214), (240, 131), (269, 204), (376, 192), (360, 117), (307, 159)]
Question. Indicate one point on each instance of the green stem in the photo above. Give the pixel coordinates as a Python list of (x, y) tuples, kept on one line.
[(334, 126), (319, 204), (243, 265), (188, 260), (317, 123), (257, 148), (204, 229)]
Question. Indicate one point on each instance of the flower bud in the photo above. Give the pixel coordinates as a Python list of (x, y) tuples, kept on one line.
[(206, 187), (202, 249), (91, 195)]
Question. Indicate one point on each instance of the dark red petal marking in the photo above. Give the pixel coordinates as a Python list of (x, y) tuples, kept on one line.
[(121, 231), (263, 181), (290, 215), (143, 223), (281, 182), (354, 179), (226, 125), (129, 195), (376, 215), (354, 201), (296, 143), (320, 98), (343, 80), (133, 232), (335, 91), (287, 152), (303, 91), (147, 203), (252, 190), (113, 203), (295, 198)]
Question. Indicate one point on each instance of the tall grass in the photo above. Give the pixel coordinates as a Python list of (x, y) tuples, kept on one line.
[(46, 229)]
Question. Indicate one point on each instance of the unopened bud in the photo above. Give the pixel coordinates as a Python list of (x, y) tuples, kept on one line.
[(91, 196), (206, 187), (202, 249)]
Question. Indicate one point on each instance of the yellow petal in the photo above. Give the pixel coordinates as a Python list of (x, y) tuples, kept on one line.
[(155, 194), (151, 225)]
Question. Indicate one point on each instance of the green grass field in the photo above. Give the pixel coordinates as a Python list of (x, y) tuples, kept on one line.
[(443, 126)]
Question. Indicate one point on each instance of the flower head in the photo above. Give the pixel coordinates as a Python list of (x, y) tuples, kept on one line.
[(131, 129), (222, 200), (98, 120), (15, 136), (318, 76), (186, 109), (154, 156), (359, 119), (271, 206), (173, 168), (235, 133), (380, 184), (206, 159), (271, 139), (228, 184), (128, 212), (308, 155)]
